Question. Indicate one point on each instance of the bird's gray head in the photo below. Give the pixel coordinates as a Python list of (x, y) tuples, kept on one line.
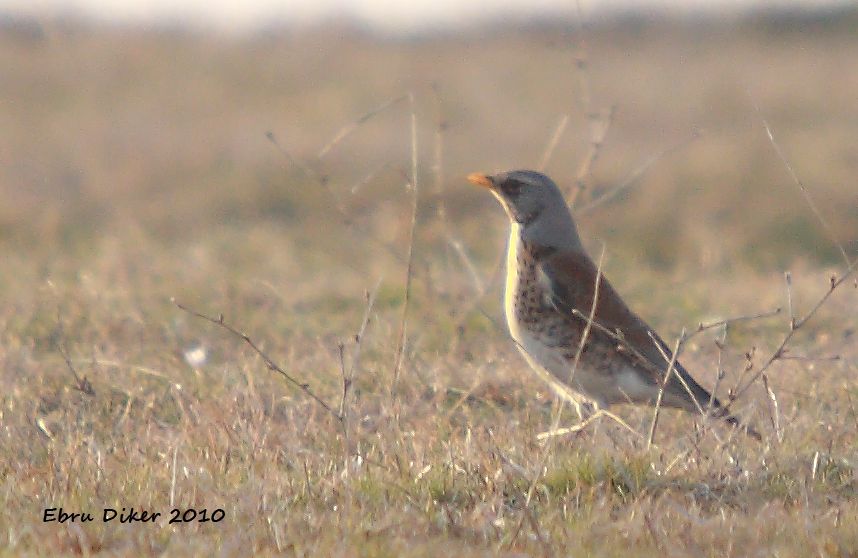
[(535, 203)]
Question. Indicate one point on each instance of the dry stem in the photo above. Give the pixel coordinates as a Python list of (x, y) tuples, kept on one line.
[(303, 386)]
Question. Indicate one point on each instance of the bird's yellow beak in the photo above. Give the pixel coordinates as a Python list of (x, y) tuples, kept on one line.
[(481, 179)]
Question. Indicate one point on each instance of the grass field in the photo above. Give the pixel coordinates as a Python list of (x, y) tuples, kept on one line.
[(136, 170)]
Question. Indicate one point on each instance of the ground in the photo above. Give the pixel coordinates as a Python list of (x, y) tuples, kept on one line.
[(252, 178)]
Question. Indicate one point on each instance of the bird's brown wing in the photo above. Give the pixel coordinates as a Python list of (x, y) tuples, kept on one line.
[(571, 277)]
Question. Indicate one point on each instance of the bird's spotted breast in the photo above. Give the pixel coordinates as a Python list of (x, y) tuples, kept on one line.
[(528, 300)]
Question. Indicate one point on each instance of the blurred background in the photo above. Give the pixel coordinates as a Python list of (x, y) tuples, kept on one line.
[(139, 132), (257, 160)]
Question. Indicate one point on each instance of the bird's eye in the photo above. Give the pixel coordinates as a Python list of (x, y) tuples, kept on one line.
[(512, 187)]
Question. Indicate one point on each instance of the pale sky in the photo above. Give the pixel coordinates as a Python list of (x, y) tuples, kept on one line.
[(389, 15)]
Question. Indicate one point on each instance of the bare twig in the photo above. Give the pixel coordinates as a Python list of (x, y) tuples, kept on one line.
[(599, 413), (324, 181), (581, 60), (459, 249), (719, 370), (643, 361), (440, 201), (563, 390), (586, 333), (658, 399), (729, 321), (778, 353), (132, 367), (438, 164), (556, 420), (294, 161), (552, 143), (403, 325), (303, 386), (346, 381), (774, 415), (82, 384), (788, 281), (852, 409), (352, 126), (722, 413), (805, 358), (749, 365), (599, 126), (353, 189), (668, 358), (348, 377), (636, 175), (173, 475), (802, 188)]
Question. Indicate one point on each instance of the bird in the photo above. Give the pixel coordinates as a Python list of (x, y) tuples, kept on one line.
[(568, 321)]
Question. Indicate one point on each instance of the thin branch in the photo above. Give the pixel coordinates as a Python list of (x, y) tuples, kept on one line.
[(587, 422), (788, 281), (355, 124), (852, 409), (722, 413), (403, 325), (581, 60), (680, 342), (749, 365), (307, 170), (347, 383), (303, 386), (353, 189), (804, 191), (586, 333), (459, 249), (324, 181), (599, 126), (661, 388), (623, 345), (82, 384), (132, 367), (438, 164), (348, 378), (805, 358), (774, 415), (729, 321), (779, 352), (636, 175), (556, 421), (552, 143), (719, 371)]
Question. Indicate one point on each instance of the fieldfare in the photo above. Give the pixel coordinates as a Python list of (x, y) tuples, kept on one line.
[(568, 321)]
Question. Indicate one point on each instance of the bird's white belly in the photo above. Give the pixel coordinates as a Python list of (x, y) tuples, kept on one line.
[(553, 367)]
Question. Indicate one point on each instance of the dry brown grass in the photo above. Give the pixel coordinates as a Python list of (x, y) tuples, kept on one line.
[(134, 167)]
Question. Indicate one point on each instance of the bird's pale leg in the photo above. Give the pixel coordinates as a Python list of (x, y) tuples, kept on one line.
[(582, 407), (593, 412)]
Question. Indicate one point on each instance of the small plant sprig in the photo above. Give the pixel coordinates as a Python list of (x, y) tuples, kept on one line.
[(269, 362)]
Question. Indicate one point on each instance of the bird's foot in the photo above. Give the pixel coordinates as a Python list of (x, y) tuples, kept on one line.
[(595, 414), (592, 416)]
